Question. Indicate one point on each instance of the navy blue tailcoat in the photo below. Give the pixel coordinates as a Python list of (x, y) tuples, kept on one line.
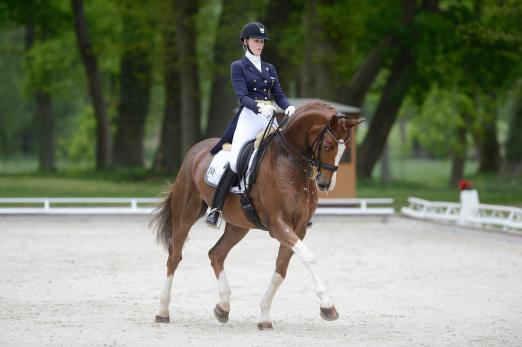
[(251, 85)]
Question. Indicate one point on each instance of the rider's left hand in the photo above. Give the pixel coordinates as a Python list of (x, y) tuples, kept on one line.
[(290, 111)]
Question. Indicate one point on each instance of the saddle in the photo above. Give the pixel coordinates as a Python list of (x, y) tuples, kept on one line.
[(248, 163)]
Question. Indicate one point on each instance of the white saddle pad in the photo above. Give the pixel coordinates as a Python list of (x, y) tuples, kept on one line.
[(217, 167)]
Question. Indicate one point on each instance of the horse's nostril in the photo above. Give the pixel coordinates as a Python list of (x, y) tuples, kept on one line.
[(323, 187)]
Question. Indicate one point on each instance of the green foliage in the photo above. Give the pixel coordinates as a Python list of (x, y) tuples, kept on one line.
[(15, 113), (76, 145), (514, 141), (441, 114), (470, 47), (355, 27)]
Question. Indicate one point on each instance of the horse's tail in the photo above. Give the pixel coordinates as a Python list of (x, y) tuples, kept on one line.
[(162, 221)]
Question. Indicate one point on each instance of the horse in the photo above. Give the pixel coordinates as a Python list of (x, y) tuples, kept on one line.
[(299, 160)]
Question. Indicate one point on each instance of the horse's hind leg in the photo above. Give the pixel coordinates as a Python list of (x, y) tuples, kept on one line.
[(217, 255), (185, 210)]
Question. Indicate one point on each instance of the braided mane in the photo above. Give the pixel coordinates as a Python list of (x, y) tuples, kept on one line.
[(320, 106)]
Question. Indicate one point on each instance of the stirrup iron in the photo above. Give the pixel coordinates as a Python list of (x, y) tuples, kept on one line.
[(217, 225)]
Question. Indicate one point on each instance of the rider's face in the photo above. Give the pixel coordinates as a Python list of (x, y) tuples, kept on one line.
[(256, 45)]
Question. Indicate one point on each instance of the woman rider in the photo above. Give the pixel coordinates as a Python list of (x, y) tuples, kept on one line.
[(255, 83)]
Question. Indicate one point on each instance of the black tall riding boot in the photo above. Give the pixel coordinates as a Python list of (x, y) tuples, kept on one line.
[(225, 183)]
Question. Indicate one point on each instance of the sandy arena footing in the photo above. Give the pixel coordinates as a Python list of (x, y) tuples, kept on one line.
[(96, 280)]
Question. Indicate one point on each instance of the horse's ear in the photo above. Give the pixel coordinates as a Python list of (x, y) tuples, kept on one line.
[(333, 121), (356, 122)]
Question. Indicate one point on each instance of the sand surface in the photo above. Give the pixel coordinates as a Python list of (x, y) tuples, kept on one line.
[(96, 280)]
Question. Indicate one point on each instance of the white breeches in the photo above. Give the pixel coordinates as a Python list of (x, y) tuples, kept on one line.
[(248, 126)]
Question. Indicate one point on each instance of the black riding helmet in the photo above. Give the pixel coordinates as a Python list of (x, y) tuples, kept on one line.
[(255, 30)]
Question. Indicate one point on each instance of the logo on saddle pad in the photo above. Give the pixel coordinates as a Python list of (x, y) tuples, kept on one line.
[(217, 167)]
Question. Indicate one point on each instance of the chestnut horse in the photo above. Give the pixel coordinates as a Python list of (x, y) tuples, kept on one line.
[(300, 159)]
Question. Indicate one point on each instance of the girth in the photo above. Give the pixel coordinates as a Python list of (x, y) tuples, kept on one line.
[(243, 160)]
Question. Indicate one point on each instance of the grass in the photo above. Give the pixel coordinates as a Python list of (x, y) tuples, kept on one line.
[(429, 179), (420, 178)]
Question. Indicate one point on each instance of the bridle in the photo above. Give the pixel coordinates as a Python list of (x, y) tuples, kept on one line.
[(314, 160)]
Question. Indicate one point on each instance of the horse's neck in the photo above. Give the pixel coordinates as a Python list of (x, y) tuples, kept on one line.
[(297, 131), (288, 166)]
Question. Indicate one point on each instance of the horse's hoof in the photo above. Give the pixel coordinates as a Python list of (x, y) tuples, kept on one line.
[(265, 326), (160, 319), (221, 315), (329, 313)]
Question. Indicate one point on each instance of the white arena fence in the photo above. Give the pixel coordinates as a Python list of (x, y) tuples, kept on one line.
[(60, 206), (483, 215)]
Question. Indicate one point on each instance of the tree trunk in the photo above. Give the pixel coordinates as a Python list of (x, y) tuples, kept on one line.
[(223, 100), (393, 92), (103, 140), (135, 84), (277, 20), (44, 113), (316, 81), (168, 155), (386, 175), (513, 162), (459, 154), (185, 13), (354, 93), (489, 149), (385, 114), (45, 130)]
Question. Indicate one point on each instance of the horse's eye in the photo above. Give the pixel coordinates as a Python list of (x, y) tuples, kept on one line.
[(327, 148)]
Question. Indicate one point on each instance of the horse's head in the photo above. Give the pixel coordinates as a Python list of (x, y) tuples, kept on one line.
[(328, 143)]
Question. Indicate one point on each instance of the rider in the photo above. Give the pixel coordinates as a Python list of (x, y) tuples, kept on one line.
[(255, 83)]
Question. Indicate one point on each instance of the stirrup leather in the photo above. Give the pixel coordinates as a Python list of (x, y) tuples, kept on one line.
[(216, 225)]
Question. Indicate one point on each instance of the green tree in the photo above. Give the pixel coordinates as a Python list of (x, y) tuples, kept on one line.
[(167, 158), (103, 136), (185, 13), (135, 84), (513, 162)]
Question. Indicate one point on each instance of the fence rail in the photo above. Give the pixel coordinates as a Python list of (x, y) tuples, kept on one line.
[(504, 217), (373, 206)]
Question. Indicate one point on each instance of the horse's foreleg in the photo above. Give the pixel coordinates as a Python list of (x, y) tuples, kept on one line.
[(217, 254), (328, 311), (288, 238), (283, 259)]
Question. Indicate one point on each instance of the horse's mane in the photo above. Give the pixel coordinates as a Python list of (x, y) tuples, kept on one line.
[(319, 106), (313, 108)]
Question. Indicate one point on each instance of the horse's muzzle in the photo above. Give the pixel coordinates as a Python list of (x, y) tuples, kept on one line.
[(323, 187), (323, 183)]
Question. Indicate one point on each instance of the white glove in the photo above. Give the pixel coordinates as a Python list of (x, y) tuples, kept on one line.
[(266, 110), (290, 111)]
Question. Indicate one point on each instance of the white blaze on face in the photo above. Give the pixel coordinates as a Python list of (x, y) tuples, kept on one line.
[(340, 152)]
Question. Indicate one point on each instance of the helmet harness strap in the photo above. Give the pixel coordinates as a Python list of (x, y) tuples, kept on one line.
[(245, 45)]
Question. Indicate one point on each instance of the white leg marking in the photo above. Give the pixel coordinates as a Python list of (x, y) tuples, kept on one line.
[(165, 297), (266, 301), (224, 291), (308, 259)]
